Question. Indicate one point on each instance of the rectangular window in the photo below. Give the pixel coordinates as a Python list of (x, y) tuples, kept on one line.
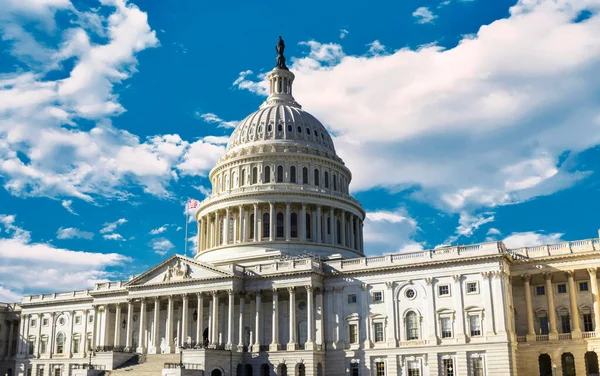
[(378, 330), (446, 326), (379, 369), (472, 288), (377, 296), (540, 290), (33, 322), (77, 319), (353, 333), (43, 345), (565, 323), (477, 366), (562, 288), (475, 325), (29, 371), (588, 325), (583, 286), (76, 345), (448, 367), (40, 371), (444, 290), (544, 325), (351, 298), (45, 321), (30, 346), (354, 370), (413, 368), (91, 317)]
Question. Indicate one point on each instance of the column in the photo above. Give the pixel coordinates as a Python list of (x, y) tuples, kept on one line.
[(84, 336), (576, 330), (214, 330), (596, 304), (257, 327), (209, 237), (551, 311), (217, 241), (255, 224), (529, 308), (94, 329), (458, 303), (332, 222), (184, 320), (271, 221), (199, 319), (488, 317), (310, 324), (117, 339), (104, 327), (302, 221), (246, 228), (320, 317), (241, 322), (230, 308), (351, 228), (129, 321), (390, 335), (21, 340), (142, 338), (241, 227), (156, 328), (291, 346), (288, 222), (338, 301), (200, 225), (343, 228), (39, 335), (318, 224), (274, 346), (10, 338), (356, 232), (226, 227), (431, 310), (169, 326)]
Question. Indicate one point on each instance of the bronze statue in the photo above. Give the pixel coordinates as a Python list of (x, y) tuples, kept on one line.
[(280, 58)]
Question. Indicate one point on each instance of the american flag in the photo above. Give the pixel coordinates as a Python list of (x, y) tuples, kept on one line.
[(192, 204)]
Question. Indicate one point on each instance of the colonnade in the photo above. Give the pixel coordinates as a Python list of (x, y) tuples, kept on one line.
[(277, 221)]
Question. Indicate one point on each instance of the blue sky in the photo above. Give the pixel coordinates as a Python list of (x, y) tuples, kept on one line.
[(462, 121)]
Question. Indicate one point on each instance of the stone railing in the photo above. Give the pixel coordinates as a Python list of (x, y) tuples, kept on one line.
[(577, 246), (521, 338), (542, 337), (277, 267), (184, 366), (588, 335), (57, 296)]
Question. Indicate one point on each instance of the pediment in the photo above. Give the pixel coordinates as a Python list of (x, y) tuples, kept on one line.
[(177, 269)]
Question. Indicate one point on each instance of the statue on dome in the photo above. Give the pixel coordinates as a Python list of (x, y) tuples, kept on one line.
[(280, 58)]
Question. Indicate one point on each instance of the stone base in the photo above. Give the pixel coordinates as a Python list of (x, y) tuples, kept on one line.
[(141, 350), (256, 347), (168, 350), (530, 337), (274, 347), (575, 334), (292, 346), (153, 350), (310, 345), (553, 336)]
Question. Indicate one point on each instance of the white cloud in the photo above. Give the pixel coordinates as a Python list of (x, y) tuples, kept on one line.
[(111, 226), (200, 157), (343, 33), (530, 238), (70, 233), (493, 231), (468, 224), (158, 230), (376, 48), (67, 205), (214, 119), (482, 124), (59, 269), (161, 246), (113, 236), (424, 15), (390, 232)]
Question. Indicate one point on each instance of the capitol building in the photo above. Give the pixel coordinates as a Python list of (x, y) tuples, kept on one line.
[(280, 285)]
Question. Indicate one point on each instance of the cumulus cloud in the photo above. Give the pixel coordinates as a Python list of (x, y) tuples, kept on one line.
[(390, 232), (161, 246), (423, 15), (495, 120), (71, 232), (531, 238), (60, 269), (111, 226)]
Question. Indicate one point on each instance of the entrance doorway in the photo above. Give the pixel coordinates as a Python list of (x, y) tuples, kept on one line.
[(545, 365), (591, 364)]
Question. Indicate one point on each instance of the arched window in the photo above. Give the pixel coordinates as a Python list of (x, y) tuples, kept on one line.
[(308, 227), (304, 175), (239, 371), (289, 127), (254, 175), (334, 182), (412, 326), (234, 183), (267, 174), (319, 369), (60, 343), (301, 370), (280, 174), (251, 224), (568, 364), (264, 370), (221, 227), (270, 128), (293, 174), (308, 131), (248, 370), (243, 182), (280, 128), (545, 364), (266, 225), (294, 225), (326, 179), (299, 129), (280, 225), (282, 370), (316, 177), (591, 363)]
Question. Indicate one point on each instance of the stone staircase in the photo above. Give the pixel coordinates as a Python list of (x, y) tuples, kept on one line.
[(151, 367)]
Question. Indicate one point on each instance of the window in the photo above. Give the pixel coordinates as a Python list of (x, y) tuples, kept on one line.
[(353, 333), (279, 128), (308, 227), (446, 326), (243, 182), (266, 225), (251, 224), (76, 342), (299, 129), (583, 286), (77, 319), (477, 366), (351, 298), (304, 175), (334, 183), (280, 174), (378, 330), (32, 323), (588, 326), (562, 288), (308, 131), (267, 174), (444, 290), (379, 369), (412, 326), (448, 367), (475, 325), (378, 296), (413, 368), (29, 370), (40, 371), (289, 127), (280, 225), (354, 370), (294, 225), (540, 290), (30, 345), (316, 173), (565, 323), (45, 321), (43, 345), (91, 318), (254, 175), (410, 294), (472, 288), (60, 343), (293, 174), (544, 325), (326, 177)]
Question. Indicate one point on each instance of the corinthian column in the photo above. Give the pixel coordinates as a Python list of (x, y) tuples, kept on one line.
[(226, 225), (310, 322), (184, 320), (302, 222), (169, 327), (255, 224), (318, 222), (156, 333), (117, 342), (230, 307), (274, 346), (142, 337), (291, 346), (271, 221), (257, 326), (596, 304), (551, 309), (529, 308), (241, 323), (576, 330), (129, 321)]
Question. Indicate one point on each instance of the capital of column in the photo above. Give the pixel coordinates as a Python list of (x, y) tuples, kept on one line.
[(429, 281), (592, 271), (457, 277), (389, 284), (200, 295), (486, 275), (230, 292), (547, 276), (291, 290), (569, 273), (214, 293), (309, 288), (184, 296), (526, 277)]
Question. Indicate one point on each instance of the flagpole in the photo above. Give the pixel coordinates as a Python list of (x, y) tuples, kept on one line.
[(185, 213)]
